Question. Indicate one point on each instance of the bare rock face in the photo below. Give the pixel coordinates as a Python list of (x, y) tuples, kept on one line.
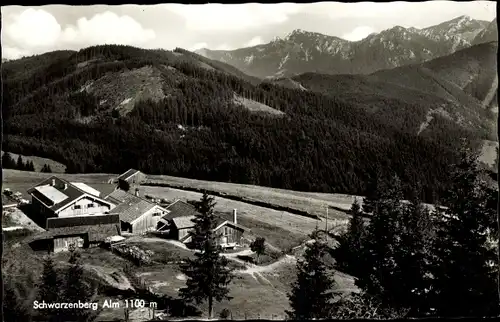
[(302, 51)]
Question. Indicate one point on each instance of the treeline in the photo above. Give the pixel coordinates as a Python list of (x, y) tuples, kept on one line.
[(408, 261), (8, 162), (321, 144)]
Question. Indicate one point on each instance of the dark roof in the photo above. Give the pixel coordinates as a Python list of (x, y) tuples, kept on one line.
[(219, 221), (127, 174), (82, 221), (118, 196), (95, 233), (179, 208), (71, 192), (187, 222), (129, 206), (183, 222)]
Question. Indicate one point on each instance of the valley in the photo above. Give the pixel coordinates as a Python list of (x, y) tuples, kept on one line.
[(297, 140)]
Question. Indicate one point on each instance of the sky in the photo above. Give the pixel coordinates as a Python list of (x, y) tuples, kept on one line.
[(33, 30)]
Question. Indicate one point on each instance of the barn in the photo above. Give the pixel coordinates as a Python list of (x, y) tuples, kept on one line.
[(137, 215), (178, 223), (228, 233), (178, 220), (83, 232), (132, 178)]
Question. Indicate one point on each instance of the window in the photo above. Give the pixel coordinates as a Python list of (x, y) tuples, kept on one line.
[(156, 214), (90, 205), (77, 207), (225, 230)]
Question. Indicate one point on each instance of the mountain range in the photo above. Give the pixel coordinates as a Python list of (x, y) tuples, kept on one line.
[(110, 108), (302, 51)]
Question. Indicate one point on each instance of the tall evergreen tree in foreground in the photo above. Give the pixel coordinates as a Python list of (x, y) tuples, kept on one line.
[(204, 222), (208, 273), (312, 292), (465, 263), (49, 288), (76, 289), (379, 251), (12, 304), (394, 257), (413, 253), (349, 254)]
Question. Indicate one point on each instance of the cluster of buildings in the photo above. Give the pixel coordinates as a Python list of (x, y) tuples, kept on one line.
[(75, 213)]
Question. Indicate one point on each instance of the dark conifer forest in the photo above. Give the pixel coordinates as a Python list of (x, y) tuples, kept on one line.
[(321, 143)]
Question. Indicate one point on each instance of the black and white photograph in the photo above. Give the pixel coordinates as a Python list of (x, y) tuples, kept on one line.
[(250, 161)]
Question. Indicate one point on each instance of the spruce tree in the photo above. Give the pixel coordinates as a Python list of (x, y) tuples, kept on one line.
[(75, 288), (30, 166), (464, 267), (46, 168), (379, 251), (20, 164), (7, 161), (312, 293), (349, 253), (204, 222), (208, 275), (49, 288), (413, 253), (12, 304)]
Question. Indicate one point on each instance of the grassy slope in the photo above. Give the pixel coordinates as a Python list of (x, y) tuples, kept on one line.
[(39, 162), (263, 295)]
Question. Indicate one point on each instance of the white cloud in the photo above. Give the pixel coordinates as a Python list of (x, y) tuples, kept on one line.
[(254, 42), (199, 45), (414, 14), (33, 28), (217, 17), (224, 47), (34, 31), (358, 33), (108, 28), (14, 53)]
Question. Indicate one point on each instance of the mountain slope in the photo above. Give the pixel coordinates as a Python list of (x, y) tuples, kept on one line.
[(422, 98), (489, 34), (302, 51), (168, 113)]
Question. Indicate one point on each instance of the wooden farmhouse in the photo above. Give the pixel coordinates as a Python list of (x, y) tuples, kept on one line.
[(132, 177), (82, 232), (178, 223), (58, 198), (137, 215)]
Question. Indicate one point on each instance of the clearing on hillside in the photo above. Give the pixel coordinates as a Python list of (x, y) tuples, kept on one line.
[(122, 90), (255, 106)]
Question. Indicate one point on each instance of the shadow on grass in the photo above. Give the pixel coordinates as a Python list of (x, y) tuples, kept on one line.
[(246, 258), (170, 305)]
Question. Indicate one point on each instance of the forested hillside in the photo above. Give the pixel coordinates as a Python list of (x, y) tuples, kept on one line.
[(193, 126)]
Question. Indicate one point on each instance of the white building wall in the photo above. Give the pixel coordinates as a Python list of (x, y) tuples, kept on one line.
[(148, 221), (85, 206)]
